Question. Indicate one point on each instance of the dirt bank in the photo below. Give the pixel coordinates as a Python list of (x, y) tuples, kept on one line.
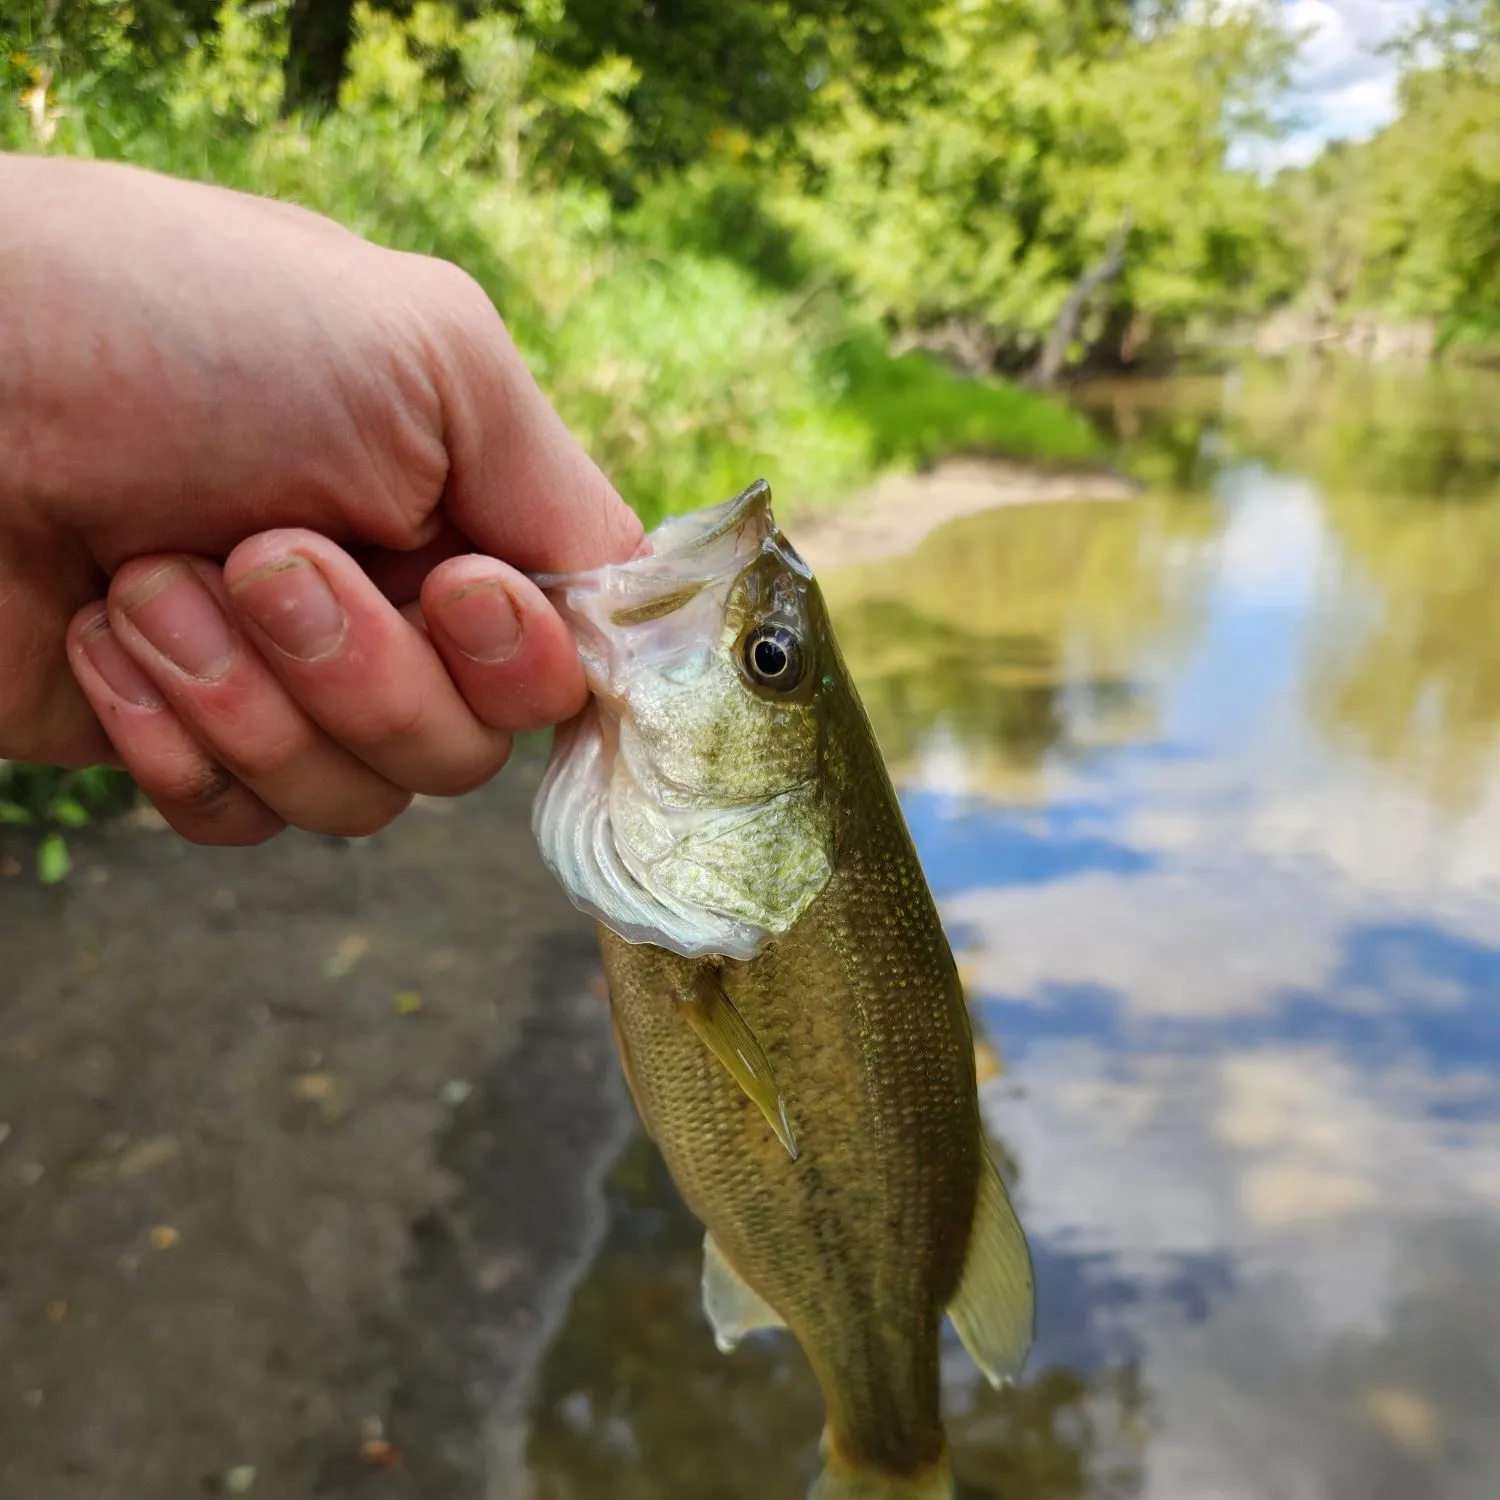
[(299, 1158), (899, 510)]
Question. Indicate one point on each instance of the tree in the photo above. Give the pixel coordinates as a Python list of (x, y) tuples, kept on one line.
[(1406, 225), (1027, 138), (705, 68), (44, 41)]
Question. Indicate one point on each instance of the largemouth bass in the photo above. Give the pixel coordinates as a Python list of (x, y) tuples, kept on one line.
[(787, 1009)]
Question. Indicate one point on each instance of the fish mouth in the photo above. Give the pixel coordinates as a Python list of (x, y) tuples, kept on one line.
[(659, 603), (642, 850), (701, 547)]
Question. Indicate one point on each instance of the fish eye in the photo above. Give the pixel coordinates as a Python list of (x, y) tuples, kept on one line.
[(773, 657)]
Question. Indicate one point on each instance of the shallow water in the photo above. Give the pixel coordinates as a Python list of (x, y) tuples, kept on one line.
[(1208, 787)]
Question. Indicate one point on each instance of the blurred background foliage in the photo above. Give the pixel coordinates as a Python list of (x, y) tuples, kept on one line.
[(809, 238)]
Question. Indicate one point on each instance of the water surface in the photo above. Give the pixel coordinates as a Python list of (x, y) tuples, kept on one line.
[(1208, 787)]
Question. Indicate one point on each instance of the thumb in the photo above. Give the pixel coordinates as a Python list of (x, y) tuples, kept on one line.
[(519, 485)]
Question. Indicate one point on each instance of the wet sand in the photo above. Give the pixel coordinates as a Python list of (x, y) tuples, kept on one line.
[(900, 509)]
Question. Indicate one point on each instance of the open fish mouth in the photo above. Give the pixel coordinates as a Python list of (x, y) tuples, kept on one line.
[(698, 866), (682, 581), (694, 546)]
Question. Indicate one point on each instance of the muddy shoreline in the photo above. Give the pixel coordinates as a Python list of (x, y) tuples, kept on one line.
[(896, 512), (301, 1158)]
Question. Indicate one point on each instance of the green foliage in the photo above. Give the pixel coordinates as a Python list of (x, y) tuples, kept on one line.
[(914, 409), (52, 801), (704, 71), (923, 160), (1407, 225), (1021, 155)]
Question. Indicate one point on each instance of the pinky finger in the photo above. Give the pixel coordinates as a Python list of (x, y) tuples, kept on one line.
[(197, 796)]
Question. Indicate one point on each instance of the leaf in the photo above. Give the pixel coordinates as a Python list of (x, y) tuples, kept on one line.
[(53, 861), (69, 812), (13, 812)]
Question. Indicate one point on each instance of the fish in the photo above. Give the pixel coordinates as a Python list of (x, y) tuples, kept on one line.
[(786, 1007)]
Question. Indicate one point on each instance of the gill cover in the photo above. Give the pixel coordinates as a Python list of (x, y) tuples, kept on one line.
[(683, 807)]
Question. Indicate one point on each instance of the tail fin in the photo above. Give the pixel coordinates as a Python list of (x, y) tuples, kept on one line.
[(840, 1481)]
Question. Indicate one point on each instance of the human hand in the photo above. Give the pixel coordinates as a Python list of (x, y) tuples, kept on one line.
[(278, 450)]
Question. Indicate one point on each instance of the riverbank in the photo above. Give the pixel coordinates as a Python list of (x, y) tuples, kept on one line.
[(297, 1159), (896, 512)]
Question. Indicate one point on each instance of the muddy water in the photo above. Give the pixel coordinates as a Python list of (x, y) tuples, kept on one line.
[(318, 1181), (1208, 785)]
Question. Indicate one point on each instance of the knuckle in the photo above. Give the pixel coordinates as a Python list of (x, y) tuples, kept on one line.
[(459, 780), (204, 792), (456, 286), (387, 720), (361, 818), (270, 759)]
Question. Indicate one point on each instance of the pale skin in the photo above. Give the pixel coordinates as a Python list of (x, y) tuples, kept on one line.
[(268, 497)]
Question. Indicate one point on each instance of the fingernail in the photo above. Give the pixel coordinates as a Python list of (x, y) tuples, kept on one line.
[(111, 661), (481, 619), (291, 601), (179, 617)]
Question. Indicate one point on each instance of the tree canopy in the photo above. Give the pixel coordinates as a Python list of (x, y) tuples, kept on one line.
[(939, 164), (1406, 225)]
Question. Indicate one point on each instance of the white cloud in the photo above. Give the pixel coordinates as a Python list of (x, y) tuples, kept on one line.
[(1342, 88), (1361, 1234), (1185, 943)]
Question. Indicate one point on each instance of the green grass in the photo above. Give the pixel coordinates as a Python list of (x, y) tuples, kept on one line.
[(914, 409)]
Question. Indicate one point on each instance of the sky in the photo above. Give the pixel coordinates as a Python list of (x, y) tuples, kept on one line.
[(1342, 88)]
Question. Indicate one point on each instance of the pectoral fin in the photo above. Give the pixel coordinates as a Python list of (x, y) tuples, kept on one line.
[(722, 1029), (995, 1309), (732, 1307)]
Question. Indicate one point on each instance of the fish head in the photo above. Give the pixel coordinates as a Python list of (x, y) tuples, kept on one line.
[(688, 806)]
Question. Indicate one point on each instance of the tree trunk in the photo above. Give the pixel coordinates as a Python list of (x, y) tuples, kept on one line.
[(317, 50), (1055, 352)]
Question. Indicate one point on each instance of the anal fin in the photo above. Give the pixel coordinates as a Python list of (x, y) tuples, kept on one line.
[(994, 1310), (733, 1308), (722, 1029)]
